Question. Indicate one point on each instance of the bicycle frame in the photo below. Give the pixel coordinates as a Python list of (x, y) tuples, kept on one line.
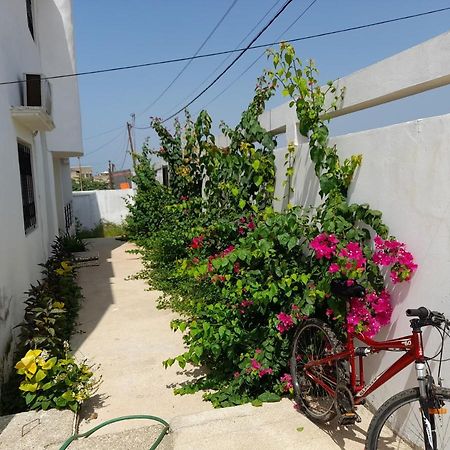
[(412, 346)]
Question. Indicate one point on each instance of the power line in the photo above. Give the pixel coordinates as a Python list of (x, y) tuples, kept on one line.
[(127, 142), (260, 56), (271, 21), (225, 52), (105, 144), (190, 60), (225, 60)]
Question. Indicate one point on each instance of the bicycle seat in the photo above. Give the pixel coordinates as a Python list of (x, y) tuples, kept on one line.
[(342, 289)]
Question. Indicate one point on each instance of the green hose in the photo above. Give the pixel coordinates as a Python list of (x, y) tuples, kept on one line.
[(118, 419)]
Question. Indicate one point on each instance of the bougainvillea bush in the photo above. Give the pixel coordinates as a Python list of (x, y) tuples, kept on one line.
[(243, 276)]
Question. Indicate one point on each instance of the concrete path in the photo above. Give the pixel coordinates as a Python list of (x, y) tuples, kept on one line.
[(129, 337), (125, 333)]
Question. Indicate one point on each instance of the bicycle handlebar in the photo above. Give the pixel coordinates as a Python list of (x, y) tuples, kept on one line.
[(424, 313), (421, 313)]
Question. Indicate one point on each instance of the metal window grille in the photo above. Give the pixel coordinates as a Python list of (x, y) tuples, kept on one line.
[(29, 4), (68, 215), (26, 182)]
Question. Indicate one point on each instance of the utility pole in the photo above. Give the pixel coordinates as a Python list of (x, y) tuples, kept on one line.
[(110, 174), (130, 138), (79, 174)]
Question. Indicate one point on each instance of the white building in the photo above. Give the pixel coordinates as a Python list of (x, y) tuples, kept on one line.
[(40, 128)]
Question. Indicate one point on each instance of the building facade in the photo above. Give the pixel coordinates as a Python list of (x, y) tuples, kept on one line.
[(40, 128)]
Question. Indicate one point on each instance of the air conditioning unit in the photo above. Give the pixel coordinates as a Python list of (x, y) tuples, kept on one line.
[(35, 111), (37, 92)]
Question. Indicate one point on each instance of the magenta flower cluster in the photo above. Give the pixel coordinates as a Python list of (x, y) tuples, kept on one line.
[(285, 322), (369, 314), (393, 253), (324, 245), (286, 381)]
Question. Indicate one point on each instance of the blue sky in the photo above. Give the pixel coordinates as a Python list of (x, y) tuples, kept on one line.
[(117, 32)]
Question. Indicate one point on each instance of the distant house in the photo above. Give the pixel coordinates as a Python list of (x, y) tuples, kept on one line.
[(40, 128), (85, 171)]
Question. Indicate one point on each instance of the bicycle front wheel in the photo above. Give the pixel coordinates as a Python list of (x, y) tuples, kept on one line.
[(398, 423)]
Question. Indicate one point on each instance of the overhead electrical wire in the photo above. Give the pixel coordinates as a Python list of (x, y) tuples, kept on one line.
[(235, 60), (225, 52), (105, 144), (189, 61), (224, 60), (260, 56)]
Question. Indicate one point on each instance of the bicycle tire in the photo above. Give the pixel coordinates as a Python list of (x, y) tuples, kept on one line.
[(380, 434), (311, 402)]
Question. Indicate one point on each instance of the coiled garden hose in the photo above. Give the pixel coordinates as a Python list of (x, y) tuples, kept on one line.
[(119, 419)]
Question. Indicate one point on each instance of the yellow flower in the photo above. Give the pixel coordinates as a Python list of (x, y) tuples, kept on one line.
[(27, 365), (58, 305), (67, 266), (60, 271)]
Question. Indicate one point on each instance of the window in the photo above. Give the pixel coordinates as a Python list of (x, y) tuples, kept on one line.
[(26, 181), (29, 4)]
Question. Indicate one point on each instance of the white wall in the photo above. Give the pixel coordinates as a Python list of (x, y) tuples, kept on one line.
[(92, 207), (22, 253), (405, 173)]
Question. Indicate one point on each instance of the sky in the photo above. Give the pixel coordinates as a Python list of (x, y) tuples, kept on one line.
[(112, 33)]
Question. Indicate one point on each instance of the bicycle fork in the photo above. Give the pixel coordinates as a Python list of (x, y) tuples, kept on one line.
[(428, 423)]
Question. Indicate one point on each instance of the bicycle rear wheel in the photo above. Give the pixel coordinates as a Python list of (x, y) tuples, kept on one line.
[(312, 341), (398, 423)]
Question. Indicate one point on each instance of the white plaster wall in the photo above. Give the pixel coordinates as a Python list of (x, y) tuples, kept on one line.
[(22, 253), (405, 174), (54, 18), (93, 207)]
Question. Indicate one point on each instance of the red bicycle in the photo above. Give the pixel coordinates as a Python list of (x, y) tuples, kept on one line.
[(328, 379)]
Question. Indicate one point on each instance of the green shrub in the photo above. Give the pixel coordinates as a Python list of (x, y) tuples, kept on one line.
[(52, 382)]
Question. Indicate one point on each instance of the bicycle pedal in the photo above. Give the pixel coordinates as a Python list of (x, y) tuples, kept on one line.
[(349, 418)]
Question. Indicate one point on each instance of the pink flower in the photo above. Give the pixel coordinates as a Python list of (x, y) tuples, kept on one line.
[(256, 365), (285, 323), (241, 230), (333, 268), (258, 351), (324, 245), (251, 225), (236, 267), (286, 379), (197, 242), (236, 374), (329, 312), (265, 372)]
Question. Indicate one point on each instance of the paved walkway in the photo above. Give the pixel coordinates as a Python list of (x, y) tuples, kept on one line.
[(129, 337), (125, 333)]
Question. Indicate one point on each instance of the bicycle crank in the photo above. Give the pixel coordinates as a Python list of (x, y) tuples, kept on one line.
[(345, 406)]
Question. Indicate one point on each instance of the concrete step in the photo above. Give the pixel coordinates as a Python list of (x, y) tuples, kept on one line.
[(274, 426), (134, 439), (36, 430)]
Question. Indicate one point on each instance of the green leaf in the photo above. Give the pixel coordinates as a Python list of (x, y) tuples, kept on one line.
[(29, 398), (198, 351), (256, 163), (300, 429), (242, 203), (269, 397), (292, 243), (40, 375), (257, 402), (235, 191)]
